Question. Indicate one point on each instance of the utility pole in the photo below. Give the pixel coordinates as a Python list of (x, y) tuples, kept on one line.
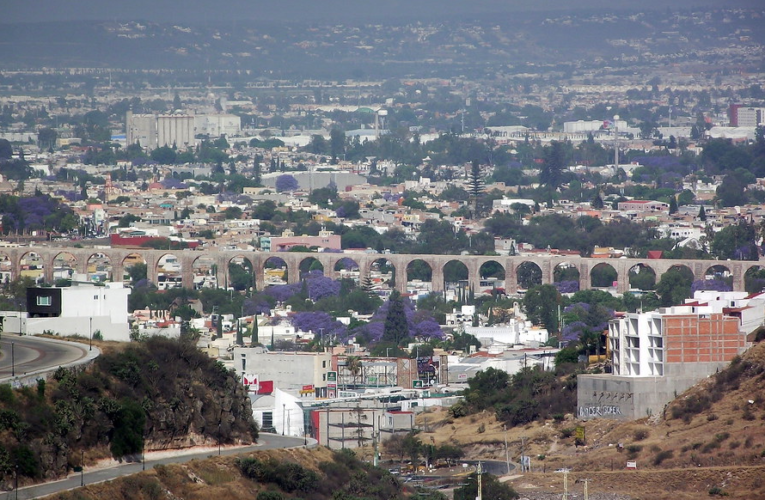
[(565, 485), (90, 342), (13, 360), (479, 471), (586, 493), (507, 453)]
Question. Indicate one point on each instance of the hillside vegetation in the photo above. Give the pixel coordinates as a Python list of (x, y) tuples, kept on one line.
[(318, 474), (163, 392)]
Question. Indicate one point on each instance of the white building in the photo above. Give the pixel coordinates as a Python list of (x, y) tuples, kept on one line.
[(292, 372), (81, 309)]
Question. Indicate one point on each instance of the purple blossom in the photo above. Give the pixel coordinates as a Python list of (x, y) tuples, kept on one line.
[(286, 182), (428, 329), (569, 286), (716, 285), (584, 306), (573, 331), (318, 322)]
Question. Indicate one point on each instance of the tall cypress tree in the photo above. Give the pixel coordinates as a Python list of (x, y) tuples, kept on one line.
[(396, 328), (475, 185), (254, 340)]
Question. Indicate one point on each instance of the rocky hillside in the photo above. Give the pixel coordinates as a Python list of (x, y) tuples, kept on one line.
[(710, 439), (161, 393)]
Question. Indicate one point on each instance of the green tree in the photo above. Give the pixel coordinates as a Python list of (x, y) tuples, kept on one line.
[(491, 488), (127, 437), (164, 155), (675, 286), (396, 328), (554, 164), (541, 304)]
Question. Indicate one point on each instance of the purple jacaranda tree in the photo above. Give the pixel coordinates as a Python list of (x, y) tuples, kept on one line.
[(286, 182), (716, 285), (320, 323), (568, 286)]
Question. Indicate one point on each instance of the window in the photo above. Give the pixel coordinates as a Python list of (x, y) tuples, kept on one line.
[(44, 301)]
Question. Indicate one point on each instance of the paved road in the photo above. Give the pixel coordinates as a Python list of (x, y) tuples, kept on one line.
[(267, 442), (32, 354)]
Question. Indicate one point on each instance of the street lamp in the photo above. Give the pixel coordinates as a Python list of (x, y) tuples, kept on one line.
[(82, 468), (13, 360), (90, 328), (387, 352), (284, 411), (218, 437)]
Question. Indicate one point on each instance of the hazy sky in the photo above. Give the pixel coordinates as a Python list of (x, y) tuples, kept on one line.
[(195, 11)]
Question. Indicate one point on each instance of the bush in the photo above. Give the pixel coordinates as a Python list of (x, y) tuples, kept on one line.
[(640, 434), (567, 432), (722, 436), (662, 456), (269, 495), (717, 491)]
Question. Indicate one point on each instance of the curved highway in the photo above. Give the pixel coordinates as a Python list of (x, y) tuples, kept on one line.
[(75, 480), (23, 355)]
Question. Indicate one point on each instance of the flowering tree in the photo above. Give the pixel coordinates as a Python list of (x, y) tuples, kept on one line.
[(286, 182), (320, 323), (716, 285)]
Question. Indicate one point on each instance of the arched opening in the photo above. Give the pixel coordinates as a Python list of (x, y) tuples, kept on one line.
[(603, 276), (99, 268), (33, 267), (64, 267), (205, 273), (274, 271), (240, 274), (419, 276), (492, 277), (347, 269), (566, 277), (382, 277), (311, 265), (456, 279), (754, 279), (6, 270), (169, 272), (718, 278), (675, 285), (134, 269), (529, 274), (642, 277)]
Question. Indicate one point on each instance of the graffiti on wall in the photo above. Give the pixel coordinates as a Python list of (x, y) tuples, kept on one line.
[(599, 411)]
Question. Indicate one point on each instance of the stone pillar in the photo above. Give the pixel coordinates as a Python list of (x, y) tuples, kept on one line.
[(623, 282), (738, 277), (474, 275), (585, 282), (151, 259), (258, 271), (81, 265), (117, 271), (187, 271), (511, 277), (547, 267), (436, 276), (293, 270)]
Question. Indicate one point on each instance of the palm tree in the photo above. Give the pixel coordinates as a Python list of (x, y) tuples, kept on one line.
[(354, 366)]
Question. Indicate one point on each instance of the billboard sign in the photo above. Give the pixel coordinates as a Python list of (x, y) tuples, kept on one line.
[(250, 381)]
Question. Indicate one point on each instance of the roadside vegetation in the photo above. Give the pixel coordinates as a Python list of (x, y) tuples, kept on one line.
[(151, 394)]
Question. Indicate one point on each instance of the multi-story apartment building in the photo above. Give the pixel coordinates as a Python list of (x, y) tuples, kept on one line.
[(659, 354)]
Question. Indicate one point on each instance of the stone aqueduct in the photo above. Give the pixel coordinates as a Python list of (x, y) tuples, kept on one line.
[(546, 263)]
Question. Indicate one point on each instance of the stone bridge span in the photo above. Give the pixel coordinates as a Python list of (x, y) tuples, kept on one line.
[(121, 258)]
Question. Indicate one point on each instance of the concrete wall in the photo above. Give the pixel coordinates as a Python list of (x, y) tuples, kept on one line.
[(630, 398)]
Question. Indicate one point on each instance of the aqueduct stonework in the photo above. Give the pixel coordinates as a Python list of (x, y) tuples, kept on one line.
[(547, 263)]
